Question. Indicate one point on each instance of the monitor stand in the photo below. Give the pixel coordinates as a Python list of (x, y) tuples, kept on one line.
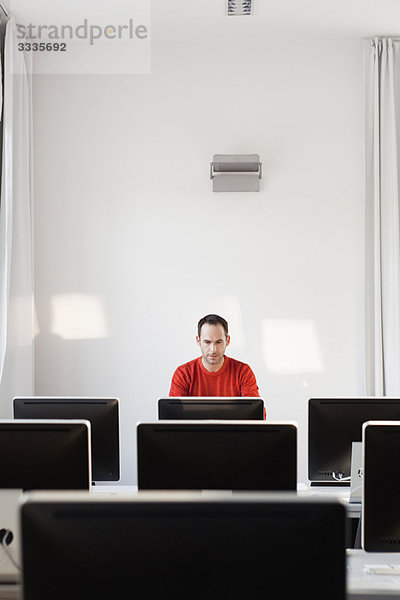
[(356, 472)]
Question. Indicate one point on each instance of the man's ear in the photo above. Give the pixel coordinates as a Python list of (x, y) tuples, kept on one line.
[(228, 339), (198, 340)]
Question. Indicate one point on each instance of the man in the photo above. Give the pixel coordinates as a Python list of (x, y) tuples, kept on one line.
[(213, 373)]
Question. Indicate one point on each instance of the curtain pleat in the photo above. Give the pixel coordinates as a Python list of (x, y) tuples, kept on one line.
[(382, 248), (16, 279)]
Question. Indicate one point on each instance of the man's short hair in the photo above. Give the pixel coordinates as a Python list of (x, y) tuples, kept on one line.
[(212, 320)]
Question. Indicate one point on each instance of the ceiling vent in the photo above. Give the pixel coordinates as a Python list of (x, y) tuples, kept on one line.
[(239, 7)]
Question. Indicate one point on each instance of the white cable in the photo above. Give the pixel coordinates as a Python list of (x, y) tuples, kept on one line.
[(339, 477), (7, 551)]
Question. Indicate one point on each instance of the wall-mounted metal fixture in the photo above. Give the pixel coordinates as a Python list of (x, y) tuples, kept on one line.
[(235, 172)]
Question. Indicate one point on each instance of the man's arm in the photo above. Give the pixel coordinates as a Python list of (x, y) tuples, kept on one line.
[(248, 383), (249, 387), (179, 384)]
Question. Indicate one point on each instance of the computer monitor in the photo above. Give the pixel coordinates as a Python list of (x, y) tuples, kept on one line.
[(219, 455), (333, 424), (156, 546), (103, 414), (188, 408), (380, 523), (45, 455)]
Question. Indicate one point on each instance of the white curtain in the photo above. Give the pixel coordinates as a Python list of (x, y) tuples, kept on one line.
[(382, 242), (16, 280)]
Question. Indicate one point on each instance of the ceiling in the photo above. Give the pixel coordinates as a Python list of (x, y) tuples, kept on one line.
[(205, 20)]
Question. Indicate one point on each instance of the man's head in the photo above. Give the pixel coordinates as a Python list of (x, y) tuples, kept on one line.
[(213, 338)]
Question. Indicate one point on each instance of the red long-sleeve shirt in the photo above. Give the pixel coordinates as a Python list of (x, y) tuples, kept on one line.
[(234, 378)]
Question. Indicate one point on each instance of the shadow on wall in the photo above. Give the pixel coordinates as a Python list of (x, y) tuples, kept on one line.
[(66, 318)]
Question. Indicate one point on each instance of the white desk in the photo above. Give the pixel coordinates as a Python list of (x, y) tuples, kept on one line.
[(353, 508), (361, 584), (10, 591), (364, 582), (114, 489), (370, 576)]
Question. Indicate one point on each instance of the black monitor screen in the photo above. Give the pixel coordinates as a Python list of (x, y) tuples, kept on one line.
[(103, 414), (381, 493), (226, 455), (174, 549), (210, 408), (44, 455), (333, 424)]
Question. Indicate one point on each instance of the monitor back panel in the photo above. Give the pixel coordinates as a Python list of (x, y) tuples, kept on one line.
[(381, 487), (222, 456), (193, 549), (102, 413), (210, 408), (45, 455), (333, 424)]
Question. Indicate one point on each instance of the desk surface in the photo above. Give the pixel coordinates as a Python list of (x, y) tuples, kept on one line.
[(10, 591), (373, 575), (353, 509), (114, 489), (302, 489), (370, 576)]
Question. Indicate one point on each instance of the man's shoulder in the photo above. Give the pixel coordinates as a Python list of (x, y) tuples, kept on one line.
[(238, 364), (188, 366)]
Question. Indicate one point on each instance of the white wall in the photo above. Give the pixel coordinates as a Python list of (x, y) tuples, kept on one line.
[(132, 247)]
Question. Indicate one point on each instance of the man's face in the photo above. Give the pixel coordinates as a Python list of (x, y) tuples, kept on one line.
[(213, 343)]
